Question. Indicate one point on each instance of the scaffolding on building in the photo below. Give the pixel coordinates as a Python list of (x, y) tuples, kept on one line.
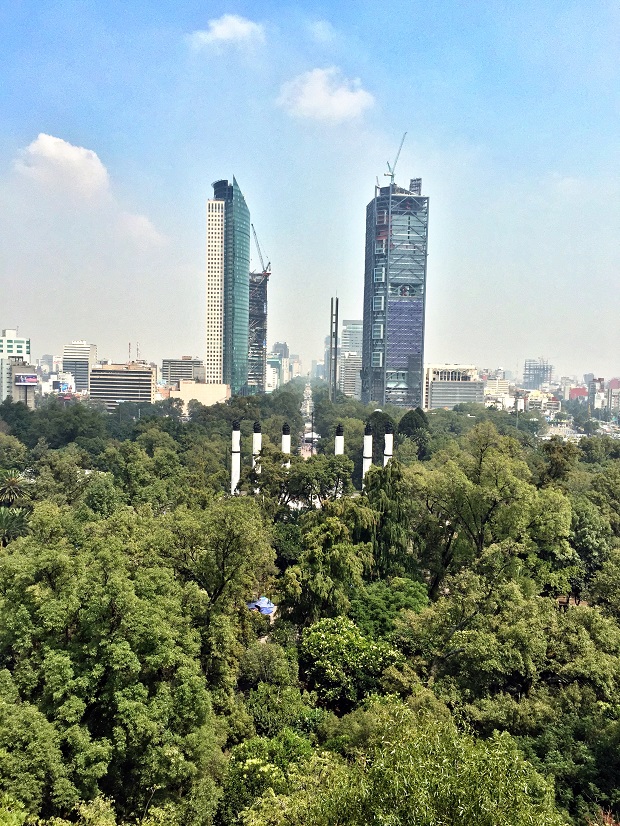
[(257, 339)]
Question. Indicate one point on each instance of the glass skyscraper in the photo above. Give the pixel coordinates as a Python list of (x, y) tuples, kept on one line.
[(228, 286), (395, 296)]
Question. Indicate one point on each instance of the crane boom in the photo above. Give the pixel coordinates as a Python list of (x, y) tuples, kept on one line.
[(392, 168), (265, 269)]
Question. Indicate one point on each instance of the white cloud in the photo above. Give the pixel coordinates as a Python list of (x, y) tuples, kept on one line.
[(140, 229), (60, 165), (324, 94), (322, 31), (67, 180), (230, 28)]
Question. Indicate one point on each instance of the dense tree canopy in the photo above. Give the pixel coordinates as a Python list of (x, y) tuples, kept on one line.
[(445, 648)]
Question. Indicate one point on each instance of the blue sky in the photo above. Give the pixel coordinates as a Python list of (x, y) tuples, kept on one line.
[(511, 112)]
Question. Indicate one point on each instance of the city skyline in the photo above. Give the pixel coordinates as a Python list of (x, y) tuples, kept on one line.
[(115, 120)]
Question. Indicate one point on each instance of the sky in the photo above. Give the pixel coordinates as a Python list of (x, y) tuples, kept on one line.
[(116, 117)]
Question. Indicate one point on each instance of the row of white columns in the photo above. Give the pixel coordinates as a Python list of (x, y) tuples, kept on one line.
[(257, 443)]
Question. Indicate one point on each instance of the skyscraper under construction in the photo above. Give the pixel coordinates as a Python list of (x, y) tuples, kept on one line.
[(395, 295), (257, 355)]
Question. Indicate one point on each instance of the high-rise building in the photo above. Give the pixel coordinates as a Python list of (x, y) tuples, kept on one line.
[(228, 286), (350, 358), (394, 295), (257, 340), (536, 372), (78, 358), (115, 383)]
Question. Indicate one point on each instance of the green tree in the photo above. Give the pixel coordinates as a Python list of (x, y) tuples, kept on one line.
[(13, 523), (330, 568), (340, 663)]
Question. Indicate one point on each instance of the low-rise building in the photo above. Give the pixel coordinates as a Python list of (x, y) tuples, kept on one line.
[(186, 368), (206, 394), (116, 383), (447, 385)]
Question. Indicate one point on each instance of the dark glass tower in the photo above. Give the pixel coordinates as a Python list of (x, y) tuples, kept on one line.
[(395, 295), (236, 284)]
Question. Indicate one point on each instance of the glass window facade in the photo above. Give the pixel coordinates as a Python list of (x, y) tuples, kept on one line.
[(396, 247)]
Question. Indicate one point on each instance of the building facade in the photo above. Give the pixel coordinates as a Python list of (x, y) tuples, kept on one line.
[(228, 286), (78, 358), (447, 385), (350, 358), (184, 369), (13, 345), (115, 383), (14, 361), (395, 295)]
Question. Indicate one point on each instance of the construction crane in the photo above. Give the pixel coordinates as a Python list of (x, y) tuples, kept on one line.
[(266, 269), (392, 168)]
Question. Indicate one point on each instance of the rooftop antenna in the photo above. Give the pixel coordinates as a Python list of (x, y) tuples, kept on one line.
[(129, 360), (392, 168), (137, 351)]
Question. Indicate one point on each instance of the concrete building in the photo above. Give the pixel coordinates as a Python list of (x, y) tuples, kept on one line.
[(18, 380), (115, 383), (597, 398), (394, 295), (496, 387), (295, 368), (206, 394), (184, 369), (79, 358), (536, 373), (447, 385), (14, 363), (228, 287), (11, 344)]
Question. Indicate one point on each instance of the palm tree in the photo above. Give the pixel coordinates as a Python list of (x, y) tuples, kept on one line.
[(13, 488), (13, 523)]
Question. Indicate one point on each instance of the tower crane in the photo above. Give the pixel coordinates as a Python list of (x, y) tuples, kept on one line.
[(392, 168), (266, 268)]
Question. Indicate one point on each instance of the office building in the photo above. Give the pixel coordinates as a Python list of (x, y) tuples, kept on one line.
[(394, 295), (78, 358), (295, 368), (446, 385), (12, 344), (184, 369), (536, 372), (350, 358), (228, 286), (116, 383), (18, 378)]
